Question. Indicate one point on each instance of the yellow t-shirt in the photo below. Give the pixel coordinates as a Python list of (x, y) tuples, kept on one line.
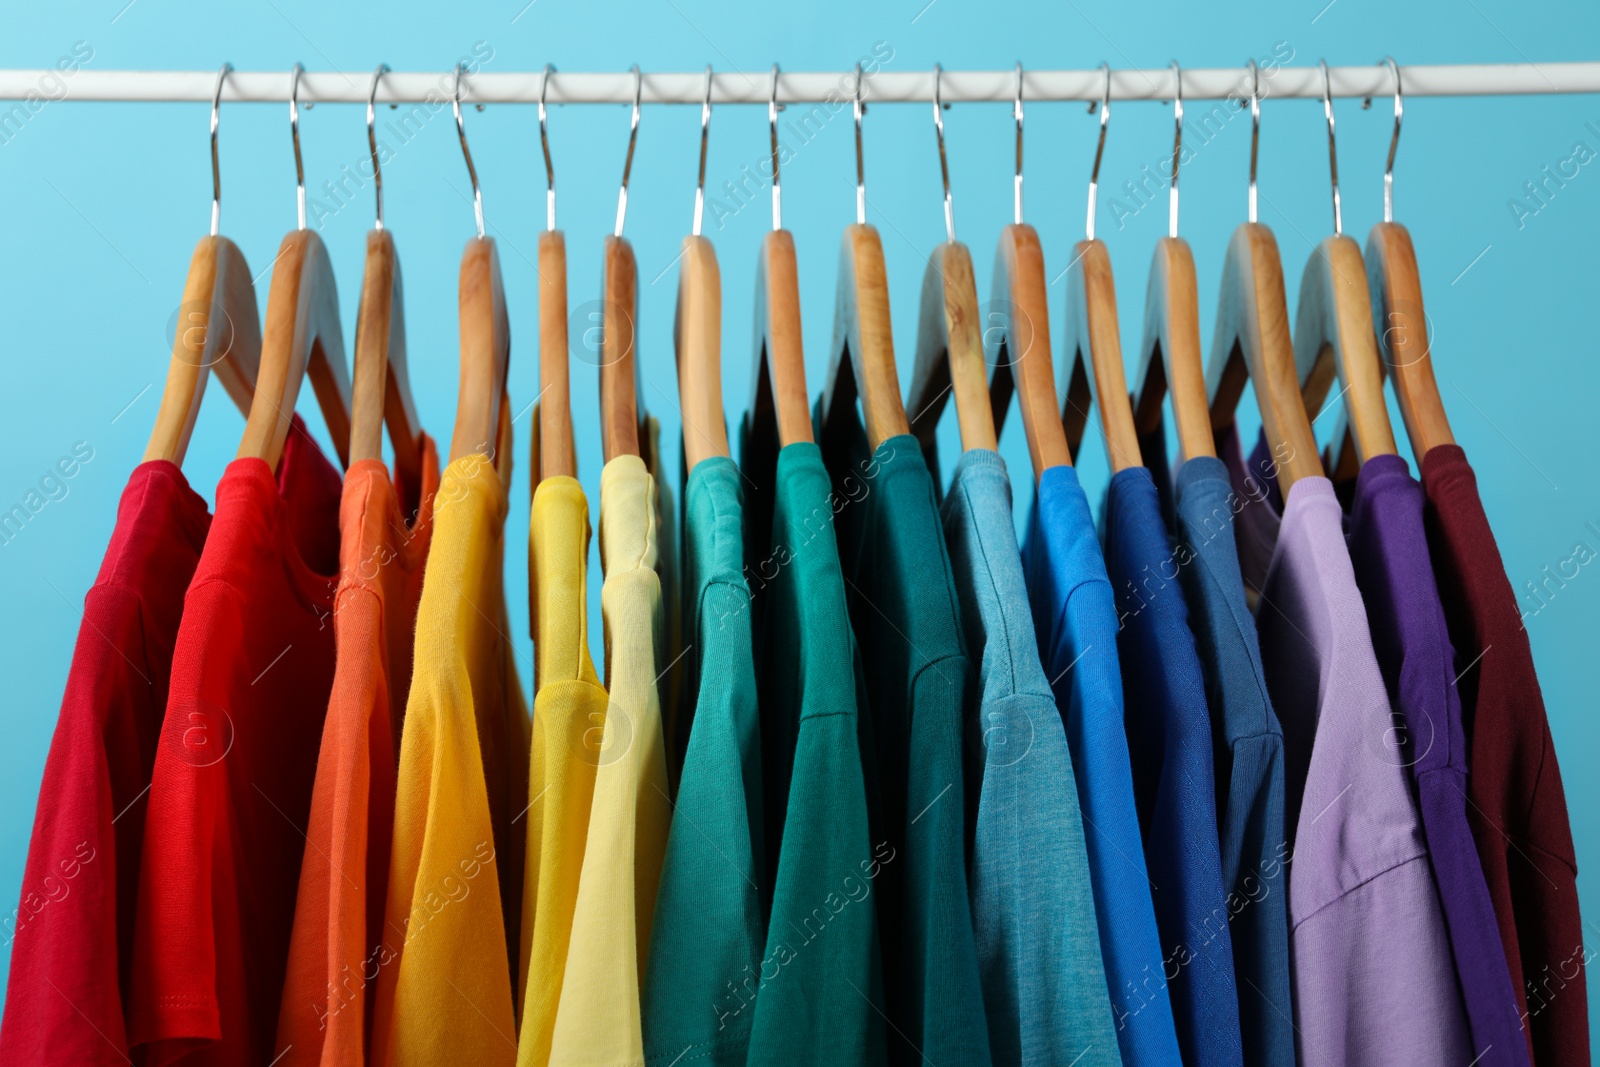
[(569, 714), (444, 985), (597, 1021)]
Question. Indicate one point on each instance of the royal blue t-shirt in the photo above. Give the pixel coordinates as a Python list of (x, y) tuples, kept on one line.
[(1169, 744), (1075, 620)]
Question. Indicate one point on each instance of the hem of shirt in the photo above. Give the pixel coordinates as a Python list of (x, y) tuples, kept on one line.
[(1420, 857)]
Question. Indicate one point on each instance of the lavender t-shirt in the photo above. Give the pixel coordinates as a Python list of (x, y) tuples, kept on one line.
[(1369, 956)]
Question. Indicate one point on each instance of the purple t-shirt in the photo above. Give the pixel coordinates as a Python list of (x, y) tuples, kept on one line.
[(1373, 978), (1389, 550)]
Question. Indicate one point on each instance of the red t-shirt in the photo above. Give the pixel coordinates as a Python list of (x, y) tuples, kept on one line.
[(72, 936), (231, 788), (1517, 809)]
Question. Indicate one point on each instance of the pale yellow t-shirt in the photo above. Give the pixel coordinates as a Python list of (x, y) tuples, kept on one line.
[(445, 984), (597, 1021), (569, 714)]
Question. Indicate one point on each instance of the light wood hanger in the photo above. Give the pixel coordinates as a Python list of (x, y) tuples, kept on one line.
[(1333, 336), (1252, 341), (697, 331), (302, 336), (1169, 354), (778, 383), (621, 410), (1018, 344), (553, 444), (381, 388), (485, 330), (218, 290), (862, 359), (949, 356)]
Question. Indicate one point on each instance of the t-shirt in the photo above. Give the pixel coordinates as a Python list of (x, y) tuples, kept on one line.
[(71, 938), (597, 1021), (1517, 808), (1044, 987), (336, 947), (455, 872), (1389, 551), (819, 981), (1248, 760), (569, 709), (231, 789), (1366, 929), (1169, 746), (904, 611), (1075, 619), (708, 924)]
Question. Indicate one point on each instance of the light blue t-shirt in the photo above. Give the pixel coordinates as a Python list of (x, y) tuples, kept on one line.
[(1044, 986)]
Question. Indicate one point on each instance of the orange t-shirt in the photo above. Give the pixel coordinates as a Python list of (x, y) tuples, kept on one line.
[(336, 949)]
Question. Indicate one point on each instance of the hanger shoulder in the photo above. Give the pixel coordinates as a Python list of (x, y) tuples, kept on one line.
[(779, 381), (698, 336), (1021, 359), (380, 384), (1401, 325), (1252, 344), (862, 335), (557, 454), (218, 329), (485, 351), (1333, 339), (1169, 353), (949, 355), (1095, 374), (301, 337), (619, 388)]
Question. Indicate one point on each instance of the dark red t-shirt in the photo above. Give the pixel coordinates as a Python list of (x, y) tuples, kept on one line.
[(1517, 808), (72, 936), (237, 755)]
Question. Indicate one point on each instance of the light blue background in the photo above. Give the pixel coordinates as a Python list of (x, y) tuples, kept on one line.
[(103, 204)]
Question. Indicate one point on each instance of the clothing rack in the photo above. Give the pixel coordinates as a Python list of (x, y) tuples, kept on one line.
[(755, 87)]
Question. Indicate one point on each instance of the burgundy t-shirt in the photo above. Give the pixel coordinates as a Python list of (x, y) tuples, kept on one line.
[(1517, 809), (231, 790), (72, 938)]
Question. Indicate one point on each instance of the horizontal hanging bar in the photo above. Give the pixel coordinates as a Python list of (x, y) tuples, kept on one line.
[(998, 86)]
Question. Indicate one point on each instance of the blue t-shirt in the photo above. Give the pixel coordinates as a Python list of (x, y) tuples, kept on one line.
[(1169, 744), (1248, 761), (1044, 986), (1076, 623)]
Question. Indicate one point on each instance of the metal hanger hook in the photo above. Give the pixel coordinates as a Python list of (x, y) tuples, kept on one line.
[(772, 125), (216, 166), (1333, 154), (633, 138), (544, 143), (1100, 148), (1394, 138), (705, 136), (1255, 129), (1177, 148), (944, 165), (1016, 181), (294, 133), (372, 140), (861, 167), (466, 153)]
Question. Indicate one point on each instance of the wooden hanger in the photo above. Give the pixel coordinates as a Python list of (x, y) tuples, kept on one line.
[(621, 410), (1093, 343), (1333, 334), (556, 454), (778, 382), (862, 358), (485, 331), (697, 330), (1169, 354), (1252, 338), (381, 388), (949, 356), (302, 335), (218, 291)]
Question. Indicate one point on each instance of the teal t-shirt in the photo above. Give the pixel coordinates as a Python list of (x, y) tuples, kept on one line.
[(708, 927)]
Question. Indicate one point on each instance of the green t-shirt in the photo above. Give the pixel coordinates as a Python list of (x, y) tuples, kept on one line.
[(907, 618), (708, 927)]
